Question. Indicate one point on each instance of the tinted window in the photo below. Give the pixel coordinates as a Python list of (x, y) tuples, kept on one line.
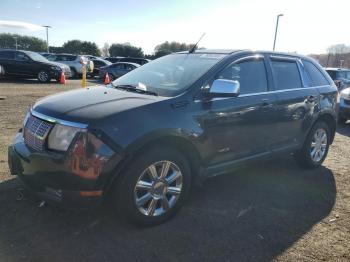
[(286, 74), (21, 57), (332, 74), (65, 58), (250, 74), (316, 77), (7, 55)]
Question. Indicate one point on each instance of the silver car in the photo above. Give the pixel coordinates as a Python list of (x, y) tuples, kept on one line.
[(75, 62)]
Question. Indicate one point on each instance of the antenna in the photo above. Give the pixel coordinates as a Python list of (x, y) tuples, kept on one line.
[(196, 45)]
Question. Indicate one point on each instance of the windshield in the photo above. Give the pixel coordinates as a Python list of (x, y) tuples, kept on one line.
[(36, 57), (170, 75)]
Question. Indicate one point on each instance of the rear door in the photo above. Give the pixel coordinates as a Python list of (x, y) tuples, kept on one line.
[(24, 65), (297, 101)]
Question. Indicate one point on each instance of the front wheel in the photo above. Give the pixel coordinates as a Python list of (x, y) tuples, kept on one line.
[(154, 187), (43, 76), (316, 146)]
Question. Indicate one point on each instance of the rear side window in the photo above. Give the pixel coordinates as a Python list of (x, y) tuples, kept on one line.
[(7, 55), (286, 74), (251, 75), (316, 77)]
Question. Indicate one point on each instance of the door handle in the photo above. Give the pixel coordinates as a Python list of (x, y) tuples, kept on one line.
[(311, 99)]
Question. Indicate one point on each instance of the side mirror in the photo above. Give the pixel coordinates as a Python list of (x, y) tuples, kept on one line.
[(224, 88)]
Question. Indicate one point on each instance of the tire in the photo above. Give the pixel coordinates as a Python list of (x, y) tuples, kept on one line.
[(316, 146), (156, 199), (342, 120), (44, 77)]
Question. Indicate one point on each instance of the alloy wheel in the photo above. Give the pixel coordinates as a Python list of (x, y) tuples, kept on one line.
[(158, 188), (319, 145), (43, 76)]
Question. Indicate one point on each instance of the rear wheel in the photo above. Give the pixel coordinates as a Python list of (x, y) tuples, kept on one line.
[(154, 187), (43, 76), (316, 146)]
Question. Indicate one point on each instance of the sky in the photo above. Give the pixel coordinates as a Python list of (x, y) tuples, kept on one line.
[(308, 26)]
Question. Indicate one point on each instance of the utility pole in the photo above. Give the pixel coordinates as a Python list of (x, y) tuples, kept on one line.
[(15, 37), (274, 42), (47, 36)]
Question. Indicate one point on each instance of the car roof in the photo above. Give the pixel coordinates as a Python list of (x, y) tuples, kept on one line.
[(336, 69), (128, 63), (232, 51)]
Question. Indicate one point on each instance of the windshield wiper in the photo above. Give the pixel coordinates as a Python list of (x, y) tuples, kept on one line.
[(133, 88)]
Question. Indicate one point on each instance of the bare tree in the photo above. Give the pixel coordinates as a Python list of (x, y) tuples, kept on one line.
[(105, 50)]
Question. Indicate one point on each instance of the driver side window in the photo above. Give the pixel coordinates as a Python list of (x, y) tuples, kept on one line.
[(21, 57), (251, 75)]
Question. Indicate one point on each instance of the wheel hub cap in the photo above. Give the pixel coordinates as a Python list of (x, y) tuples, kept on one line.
[(158, 188)]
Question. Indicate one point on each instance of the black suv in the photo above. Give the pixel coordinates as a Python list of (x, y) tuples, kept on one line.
[(145, 138), (27, 64)]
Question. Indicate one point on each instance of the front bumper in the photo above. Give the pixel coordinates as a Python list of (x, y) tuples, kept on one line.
[(57, 74), (48, 176), (344, 108)]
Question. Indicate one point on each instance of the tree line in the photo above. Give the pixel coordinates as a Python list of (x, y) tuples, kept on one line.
[(8, 41), (336, 56)]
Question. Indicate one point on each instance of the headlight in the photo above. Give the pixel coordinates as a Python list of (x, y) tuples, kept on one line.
[(61, 137), (57, 68), (345, 94)]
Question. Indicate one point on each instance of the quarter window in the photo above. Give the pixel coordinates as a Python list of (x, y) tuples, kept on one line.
[(251, 75), (286, 74), (316, 77)]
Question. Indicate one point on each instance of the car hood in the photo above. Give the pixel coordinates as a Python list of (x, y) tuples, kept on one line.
[(90, 105)]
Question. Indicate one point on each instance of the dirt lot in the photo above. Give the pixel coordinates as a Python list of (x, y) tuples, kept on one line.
[(273, 211)]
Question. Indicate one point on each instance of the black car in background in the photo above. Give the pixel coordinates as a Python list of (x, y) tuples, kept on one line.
[(98, 63), (116, 70), (140, 61), (27, 64), (145, 138), (113, 59)]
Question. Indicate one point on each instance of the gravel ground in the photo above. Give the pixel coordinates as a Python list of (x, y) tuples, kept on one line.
[(271, 211)]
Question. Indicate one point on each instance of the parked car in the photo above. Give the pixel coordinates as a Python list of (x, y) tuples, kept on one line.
[(98, 63), (45, 54), (344, 106), (26, 64), (114, 59), (340, 76), (140, 61), (75, 63), (116, 70), (144, 139)]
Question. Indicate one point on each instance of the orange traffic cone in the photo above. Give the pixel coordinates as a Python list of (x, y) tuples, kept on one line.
[(62, 79), (107, 80)]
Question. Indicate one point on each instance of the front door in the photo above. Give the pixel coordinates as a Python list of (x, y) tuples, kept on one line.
[(240, 127)]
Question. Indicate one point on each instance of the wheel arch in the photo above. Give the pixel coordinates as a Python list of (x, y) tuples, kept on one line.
[(179, 143), (331, 121)]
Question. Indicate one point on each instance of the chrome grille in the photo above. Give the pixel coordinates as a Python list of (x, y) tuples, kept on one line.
[(35, 132)]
